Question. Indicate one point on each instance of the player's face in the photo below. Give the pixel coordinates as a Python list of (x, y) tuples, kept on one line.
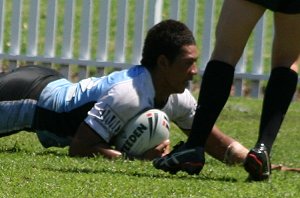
[(182, 69)]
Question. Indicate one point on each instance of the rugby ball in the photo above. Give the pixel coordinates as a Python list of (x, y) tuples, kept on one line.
[(143, 132)]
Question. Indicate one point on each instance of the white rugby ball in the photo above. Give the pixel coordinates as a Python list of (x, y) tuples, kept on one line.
[(143, 132)]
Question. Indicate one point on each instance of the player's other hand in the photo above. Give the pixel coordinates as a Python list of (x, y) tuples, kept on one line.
[(158, 151)]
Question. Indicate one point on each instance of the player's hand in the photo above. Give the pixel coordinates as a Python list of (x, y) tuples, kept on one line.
[(158, 151)]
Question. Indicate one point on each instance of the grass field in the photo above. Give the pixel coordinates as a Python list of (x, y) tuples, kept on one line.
[(28, 170)]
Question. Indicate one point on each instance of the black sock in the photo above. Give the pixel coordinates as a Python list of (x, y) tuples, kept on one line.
[(215, 89), (278, 96)]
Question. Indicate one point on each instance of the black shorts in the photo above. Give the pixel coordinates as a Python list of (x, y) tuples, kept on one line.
[(284, 6), (26, 82)]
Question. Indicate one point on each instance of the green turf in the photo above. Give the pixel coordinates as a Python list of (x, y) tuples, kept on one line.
[(28, 170)]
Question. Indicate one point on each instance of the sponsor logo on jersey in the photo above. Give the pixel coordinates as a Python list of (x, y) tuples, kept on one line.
[(109, 120)]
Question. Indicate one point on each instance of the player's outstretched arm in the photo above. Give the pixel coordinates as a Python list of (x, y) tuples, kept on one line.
[(229, 151), (87, 143), (224, 148)]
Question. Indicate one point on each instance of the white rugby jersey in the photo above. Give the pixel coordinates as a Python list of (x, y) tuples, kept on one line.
[(106, 104), (110, 114), (129, 93)]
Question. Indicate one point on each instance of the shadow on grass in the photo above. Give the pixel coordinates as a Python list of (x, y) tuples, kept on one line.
[(181, 176), (52, 152), (17, 149), (11, 150)]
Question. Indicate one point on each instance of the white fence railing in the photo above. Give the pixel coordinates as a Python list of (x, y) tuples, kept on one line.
[(109, 33)]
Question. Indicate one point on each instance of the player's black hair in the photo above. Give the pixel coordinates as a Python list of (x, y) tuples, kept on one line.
[(165, 38)]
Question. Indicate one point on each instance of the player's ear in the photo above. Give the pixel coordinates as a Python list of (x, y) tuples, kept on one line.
[(163, 61)]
